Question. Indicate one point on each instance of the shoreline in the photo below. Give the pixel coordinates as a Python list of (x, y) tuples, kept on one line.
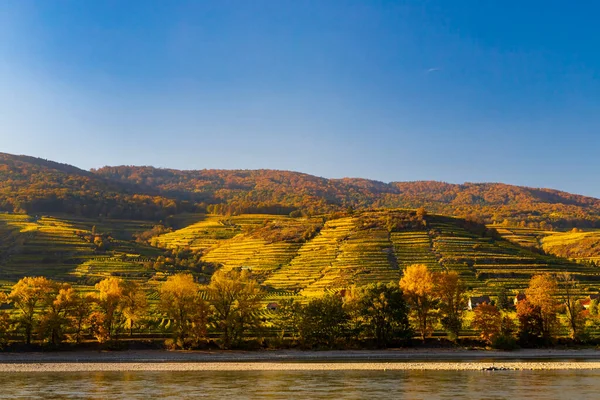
[(294, 366), (294, 360)]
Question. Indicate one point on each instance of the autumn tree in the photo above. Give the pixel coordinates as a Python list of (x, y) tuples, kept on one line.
[(181, 302), (451, 292), (81, 308), (107, 320), (58, 304), (574, 309), (541, 293), (28, 296), (419, 289), (134, 305), (235, 299), (531, 324), (382, 313), (487, 319)]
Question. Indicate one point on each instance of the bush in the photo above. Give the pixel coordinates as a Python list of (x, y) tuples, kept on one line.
[(504, 342)]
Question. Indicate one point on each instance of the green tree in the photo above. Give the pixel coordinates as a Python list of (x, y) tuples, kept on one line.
[(503, 300), (5, 323), (287, 318), (574, 309), (451, 292), (324, 321), (383, 313)]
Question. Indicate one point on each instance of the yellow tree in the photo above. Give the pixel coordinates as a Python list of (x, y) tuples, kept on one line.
[(542, 292), (55, 320), (134, 305), (107, 319), (181, 302), (28, 296), (81, 308), (235, 298), (451, 292), (419, 288)]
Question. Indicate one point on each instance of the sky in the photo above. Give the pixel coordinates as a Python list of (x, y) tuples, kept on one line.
[(455, 91)]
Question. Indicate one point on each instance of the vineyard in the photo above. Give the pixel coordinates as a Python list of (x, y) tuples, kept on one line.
[(303, 257)]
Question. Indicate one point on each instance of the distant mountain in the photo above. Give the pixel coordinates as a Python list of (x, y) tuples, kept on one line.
[(34, 185), (242, 191)]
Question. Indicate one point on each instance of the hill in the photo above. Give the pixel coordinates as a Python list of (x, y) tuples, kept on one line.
[(32, 185), (269, 191)]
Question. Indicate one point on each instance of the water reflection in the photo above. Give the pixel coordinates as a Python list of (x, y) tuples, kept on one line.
[(305, 385)]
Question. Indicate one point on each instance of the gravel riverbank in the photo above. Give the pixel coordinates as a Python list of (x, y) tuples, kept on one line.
[(293, 360), (278, 366)]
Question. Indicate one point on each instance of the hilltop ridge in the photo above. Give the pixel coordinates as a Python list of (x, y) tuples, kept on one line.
[(29, 184)]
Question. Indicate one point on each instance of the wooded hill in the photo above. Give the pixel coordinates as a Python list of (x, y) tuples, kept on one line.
[(32, 185)]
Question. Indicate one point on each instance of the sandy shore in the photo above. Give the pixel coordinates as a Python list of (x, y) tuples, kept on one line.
[(292, 360), (278, 366)]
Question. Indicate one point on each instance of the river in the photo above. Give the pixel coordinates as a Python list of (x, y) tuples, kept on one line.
[(567, 384)]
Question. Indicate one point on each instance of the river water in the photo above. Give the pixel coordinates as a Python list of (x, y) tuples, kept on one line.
[(573, 384)]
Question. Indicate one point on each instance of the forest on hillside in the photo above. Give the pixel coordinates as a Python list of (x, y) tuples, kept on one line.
[(32, 185)]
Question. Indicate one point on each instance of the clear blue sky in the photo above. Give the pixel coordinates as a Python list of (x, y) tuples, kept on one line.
[(477, 91)]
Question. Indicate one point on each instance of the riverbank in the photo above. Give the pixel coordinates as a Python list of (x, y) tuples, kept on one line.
[(296, 366), (140, 357)]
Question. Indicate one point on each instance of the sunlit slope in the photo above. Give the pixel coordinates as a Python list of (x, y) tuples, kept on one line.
[(365, 247), (59, 247), (583, 246), (576, 244)]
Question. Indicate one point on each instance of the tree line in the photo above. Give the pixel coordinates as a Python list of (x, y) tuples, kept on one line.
[(230, 306)]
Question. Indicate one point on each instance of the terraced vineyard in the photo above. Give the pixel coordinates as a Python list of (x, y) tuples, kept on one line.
[(57, 247), (346, 252), (581, 246), (290, 256)]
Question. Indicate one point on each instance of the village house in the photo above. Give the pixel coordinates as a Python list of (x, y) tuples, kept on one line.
[(477, 300), (519, 297), (272, 306), (586, 303)]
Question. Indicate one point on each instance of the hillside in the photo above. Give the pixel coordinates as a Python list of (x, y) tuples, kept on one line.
[(269, 191), (32, 185)]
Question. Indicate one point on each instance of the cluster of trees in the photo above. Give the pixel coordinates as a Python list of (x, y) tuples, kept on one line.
[(537, 314), (230, 306), (54, 312)]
